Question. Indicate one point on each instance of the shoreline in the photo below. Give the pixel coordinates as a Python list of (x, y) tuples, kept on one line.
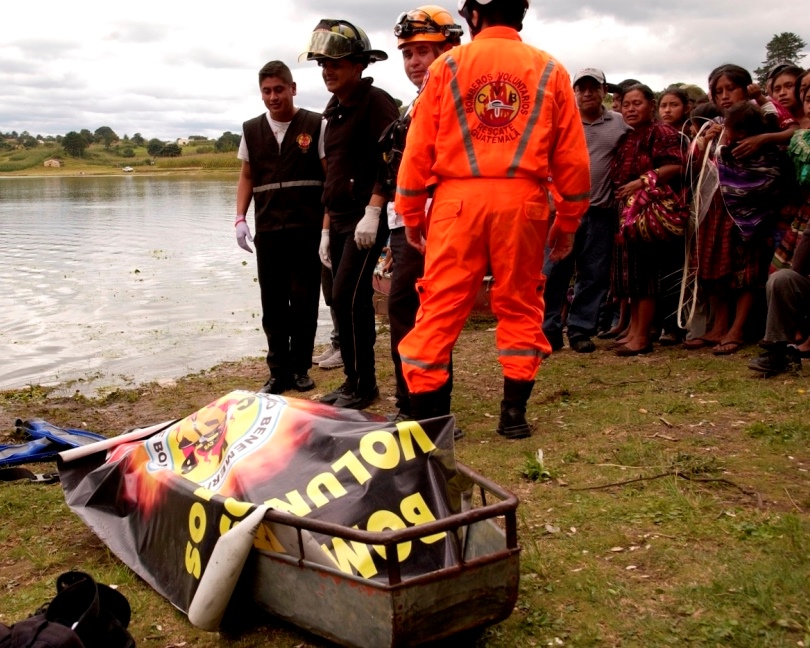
[(29, 173)]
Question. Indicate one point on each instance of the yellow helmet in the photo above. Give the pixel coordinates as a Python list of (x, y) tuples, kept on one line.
[(430, 23)]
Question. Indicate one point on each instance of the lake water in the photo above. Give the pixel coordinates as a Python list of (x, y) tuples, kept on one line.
[(110, 281)]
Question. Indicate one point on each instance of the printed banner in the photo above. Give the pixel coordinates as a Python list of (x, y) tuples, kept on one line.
[(161, 503)]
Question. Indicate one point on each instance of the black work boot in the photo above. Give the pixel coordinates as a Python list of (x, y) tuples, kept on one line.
[(513, 424), (777, 359), (431, 404)]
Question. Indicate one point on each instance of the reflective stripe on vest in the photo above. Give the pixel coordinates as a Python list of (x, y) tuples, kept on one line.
[(462, 118), (288, 185), (527, 134)]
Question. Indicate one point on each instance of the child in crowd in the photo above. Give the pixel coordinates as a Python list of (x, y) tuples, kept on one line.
[(673, 108)]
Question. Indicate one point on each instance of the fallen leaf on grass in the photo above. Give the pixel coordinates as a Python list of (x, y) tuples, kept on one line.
[(550, 528), (617, 549), (790, 624)]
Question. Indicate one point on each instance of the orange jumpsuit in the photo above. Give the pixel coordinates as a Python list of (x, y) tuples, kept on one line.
[(495, 119)]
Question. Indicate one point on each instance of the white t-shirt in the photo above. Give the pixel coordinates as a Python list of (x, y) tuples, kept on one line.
[(280, 130)]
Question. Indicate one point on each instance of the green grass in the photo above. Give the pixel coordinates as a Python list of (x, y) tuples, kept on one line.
[(706, 544)]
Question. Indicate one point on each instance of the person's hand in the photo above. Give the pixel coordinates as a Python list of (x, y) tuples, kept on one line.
[(366, 231), (748, 146), (712, 132), (323, 249), (388, 265), (755, 93), (627, 190), (559, 243), (243, 234), (415, 239)]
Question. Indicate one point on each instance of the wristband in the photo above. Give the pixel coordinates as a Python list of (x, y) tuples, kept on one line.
[(239, 219)]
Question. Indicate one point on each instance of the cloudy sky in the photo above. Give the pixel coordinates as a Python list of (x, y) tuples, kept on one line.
[(171, 69)]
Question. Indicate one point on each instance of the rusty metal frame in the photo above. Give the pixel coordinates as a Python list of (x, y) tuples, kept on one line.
[(506, 507)]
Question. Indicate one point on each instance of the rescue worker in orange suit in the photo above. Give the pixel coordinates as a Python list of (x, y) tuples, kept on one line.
[(496, 119), (422, 35)]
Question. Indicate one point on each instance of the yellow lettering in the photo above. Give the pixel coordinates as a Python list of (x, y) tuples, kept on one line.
[(388, 458), (193, 562), (410, 430), (415, 510), (357, 556), (196, 522), (387, 520), (353, 465), (332, 485), (295, 504), (236, 509), (266, 540), (204, 494)]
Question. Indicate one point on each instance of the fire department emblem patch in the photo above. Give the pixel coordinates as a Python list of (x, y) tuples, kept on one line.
[(497, 103), (304, 141)]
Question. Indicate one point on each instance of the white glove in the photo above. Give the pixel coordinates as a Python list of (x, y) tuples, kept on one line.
[(243, 234), (323, 249), (366, 231)]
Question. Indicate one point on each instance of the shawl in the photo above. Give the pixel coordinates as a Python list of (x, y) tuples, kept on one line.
[(799, 152), (750, 186), (646, 148)]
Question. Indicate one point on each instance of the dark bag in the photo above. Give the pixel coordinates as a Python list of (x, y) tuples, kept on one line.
[(84, 614), (653, 213)]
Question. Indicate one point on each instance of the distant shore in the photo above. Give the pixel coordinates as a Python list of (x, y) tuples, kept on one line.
[(90, 170)]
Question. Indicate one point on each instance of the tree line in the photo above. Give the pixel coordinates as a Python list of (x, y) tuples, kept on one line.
[(76, 143)]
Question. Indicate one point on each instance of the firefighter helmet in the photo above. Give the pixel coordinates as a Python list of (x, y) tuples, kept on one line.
[(429, 23), (336, 39)]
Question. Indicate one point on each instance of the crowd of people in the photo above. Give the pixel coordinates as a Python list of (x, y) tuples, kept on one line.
[(661, 219), (710, 197)]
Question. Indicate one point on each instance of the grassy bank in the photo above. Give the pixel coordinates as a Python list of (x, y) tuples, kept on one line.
[(671, 508), (99, 161)]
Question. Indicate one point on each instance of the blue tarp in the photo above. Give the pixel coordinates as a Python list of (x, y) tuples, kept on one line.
[(45, 441)]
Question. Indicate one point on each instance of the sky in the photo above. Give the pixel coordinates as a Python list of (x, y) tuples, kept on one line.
[(170, 69)]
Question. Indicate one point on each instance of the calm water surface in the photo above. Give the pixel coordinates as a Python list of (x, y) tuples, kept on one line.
[(118, 280)]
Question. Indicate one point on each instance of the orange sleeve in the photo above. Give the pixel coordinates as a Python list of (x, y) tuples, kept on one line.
[(568, 158), (416, 169)]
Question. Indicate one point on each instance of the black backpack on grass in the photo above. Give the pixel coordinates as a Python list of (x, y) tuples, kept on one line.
[(84, 614)]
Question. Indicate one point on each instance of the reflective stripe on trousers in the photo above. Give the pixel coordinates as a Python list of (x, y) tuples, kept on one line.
[(476, 224)]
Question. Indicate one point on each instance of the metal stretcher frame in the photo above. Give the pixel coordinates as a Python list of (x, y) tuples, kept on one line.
[(481, 588)]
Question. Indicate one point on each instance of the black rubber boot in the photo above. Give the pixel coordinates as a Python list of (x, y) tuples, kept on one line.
[(513, 424), (431, 404)]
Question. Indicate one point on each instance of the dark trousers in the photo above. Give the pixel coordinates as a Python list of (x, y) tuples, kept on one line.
[(788, 295), (352, 298), (326, 289), (403, 302), (591, 258), (289, 278), (671, 274)]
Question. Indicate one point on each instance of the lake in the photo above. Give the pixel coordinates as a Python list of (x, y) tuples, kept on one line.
[(120, 280)]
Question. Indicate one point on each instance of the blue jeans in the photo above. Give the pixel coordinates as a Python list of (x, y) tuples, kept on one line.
[(591, 258)]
